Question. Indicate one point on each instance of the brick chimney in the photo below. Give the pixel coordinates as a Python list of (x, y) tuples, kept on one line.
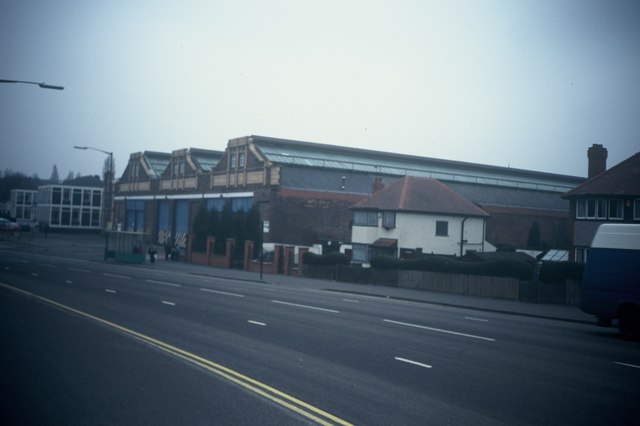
[(597, 155), (377, 185)]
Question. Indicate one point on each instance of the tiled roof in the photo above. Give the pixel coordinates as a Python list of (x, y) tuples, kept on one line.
[(420, 195), (621, 179)]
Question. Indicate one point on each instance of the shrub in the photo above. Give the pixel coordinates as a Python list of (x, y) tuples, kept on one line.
[(327, 260), (558, 272), (435, 263)]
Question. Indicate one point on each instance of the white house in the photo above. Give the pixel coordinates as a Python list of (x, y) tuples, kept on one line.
[(414, 216)]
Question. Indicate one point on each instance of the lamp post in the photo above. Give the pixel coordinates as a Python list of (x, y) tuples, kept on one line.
[(42, 85), (109, 182)]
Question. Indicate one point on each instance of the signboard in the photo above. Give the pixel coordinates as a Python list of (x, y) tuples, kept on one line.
[(265, 227)]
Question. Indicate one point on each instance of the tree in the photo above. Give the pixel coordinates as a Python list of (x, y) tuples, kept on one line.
[(69, 177), (55, 178)]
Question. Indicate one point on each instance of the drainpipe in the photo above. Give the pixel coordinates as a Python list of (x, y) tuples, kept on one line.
[(462, 236)]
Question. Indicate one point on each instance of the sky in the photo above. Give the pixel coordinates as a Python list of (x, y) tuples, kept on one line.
[(514, 83)]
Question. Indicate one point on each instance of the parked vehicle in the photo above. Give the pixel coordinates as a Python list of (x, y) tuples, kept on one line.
[(7, 226), (611, 279)]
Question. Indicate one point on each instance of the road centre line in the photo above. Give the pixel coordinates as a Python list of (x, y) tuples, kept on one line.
[(79, 270), (408, 361), (108, 290), (626, 365), (439, 330), (46, 265), (351, 300), (278, 397), (305, 306), (164, 283), (476, 319), (262, 324), (225, 293), (124, 277), (165, 302)]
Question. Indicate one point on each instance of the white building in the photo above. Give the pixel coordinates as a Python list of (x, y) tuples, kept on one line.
[(414, 216), (22, 204), (69, 207)]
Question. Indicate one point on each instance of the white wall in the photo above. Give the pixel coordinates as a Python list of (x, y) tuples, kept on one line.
[(415, 230)]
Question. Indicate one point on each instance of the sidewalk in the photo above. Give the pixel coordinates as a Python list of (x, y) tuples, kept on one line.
[(91, 247)]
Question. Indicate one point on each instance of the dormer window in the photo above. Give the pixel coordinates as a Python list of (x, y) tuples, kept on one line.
[(232, 161)]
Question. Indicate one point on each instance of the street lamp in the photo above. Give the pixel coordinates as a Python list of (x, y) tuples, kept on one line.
[(42, 85), (109, 183)]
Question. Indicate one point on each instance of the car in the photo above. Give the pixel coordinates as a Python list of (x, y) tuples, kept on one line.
[(7, 226)]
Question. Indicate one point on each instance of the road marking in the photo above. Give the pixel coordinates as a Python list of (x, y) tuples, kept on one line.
[(279, 397), (6, 268), (626, 365), (34, 274), (79, 270), (476, 319), (305, 306), (408, 361), (123, 277), (262, 324), (225, 293), (351, 300), (69, 282), (108, 290), (164, 283), (168, 303), (439, 330), (46, 265)]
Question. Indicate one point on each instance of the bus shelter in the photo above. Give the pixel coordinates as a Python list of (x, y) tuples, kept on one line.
[(123, 246)]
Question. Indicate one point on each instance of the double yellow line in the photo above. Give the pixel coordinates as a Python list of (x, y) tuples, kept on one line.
[(281, 398)]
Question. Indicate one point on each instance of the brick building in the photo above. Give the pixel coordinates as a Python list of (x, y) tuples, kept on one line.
[(305, 190)]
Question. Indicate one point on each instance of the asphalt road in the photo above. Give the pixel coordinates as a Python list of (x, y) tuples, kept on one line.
[(94, 343)]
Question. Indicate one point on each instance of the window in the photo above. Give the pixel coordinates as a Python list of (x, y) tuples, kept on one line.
[(615, 210), (77, 197), (365, 218), (86, 197), (360, 253), (66, 195), (591, 209), (97, 196), (56, 196), (232, 161), (442, 228), (389, 219), (241, 160)]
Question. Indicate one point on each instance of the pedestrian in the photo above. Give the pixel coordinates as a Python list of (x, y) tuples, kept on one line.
[(152, 253)]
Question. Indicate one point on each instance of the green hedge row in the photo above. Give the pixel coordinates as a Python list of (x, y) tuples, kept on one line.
[(558, 272), (328, 259), (434, 263)]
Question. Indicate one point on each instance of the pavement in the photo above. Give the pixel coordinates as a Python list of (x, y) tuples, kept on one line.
[(91, 247)]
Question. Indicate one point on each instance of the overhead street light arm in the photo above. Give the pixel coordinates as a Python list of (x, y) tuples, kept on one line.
[(42, 85), (94, 149)]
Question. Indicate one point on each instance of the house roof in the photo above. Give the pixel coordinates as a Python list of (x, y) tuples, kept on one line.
[(621, 179), (420, 195), (324, 156)]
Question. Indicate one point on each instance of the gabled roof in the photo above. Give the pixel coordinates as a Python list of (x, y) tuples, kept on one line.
[(621, 179), (420, 195)]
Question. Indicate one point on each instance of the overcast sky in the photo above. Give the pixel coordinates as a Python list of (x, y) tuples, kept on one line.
[(524, 84)]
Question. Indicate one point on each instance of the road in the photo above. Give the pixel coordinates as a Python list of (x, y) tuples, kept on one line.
[(95, 343)]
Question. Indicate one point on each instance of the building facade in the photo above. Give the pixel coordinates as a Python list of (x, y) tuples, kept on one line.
[(305, 190), (66, 207), (22, 205), (608, 196)]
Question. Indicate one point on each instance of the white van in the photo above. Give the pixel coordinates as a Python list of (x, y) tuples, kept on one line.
[(611, 278)]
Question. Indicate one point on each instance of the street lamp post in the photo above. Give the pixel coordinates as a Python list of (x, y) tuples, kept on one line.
[(42, 85), (109, 183)]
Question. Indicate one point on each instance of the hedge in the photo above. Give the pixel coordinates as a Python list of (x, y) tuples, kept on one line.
[(328, 259), (434, 263), (558, 272)]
